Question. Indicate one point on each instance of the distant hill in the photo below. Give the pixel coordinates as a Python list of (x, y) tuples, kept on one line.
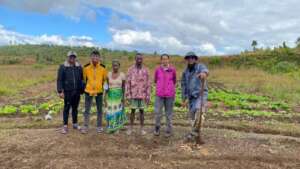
[(50, 54), (280, 59)]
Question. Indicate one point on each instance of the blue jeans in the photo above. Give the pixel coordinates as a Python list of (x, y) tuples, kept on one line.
[(168, 104), (88, 105), (195, 104)]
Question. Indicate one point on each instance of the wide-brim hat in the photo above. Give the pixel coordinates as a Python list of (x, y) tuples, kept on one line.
[(191, 55)]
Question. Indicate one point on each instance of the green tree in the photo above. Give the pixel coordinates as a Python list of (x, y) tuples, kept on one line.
[(284, 45), (254, 44), (298, 41)]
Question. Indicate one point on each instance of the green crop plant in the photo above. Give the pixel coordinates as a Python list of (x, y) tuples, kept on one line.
[(29, 109), (25, 109), (8, 110), (249, 113)]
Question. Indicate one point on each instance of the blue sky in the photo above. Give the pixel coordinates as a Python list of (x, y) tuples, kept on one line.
[(32, 23), (207, 27)]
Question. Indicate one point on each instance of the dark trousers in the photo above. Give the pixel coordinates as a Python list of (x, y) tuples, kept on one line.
[(88, 105), (71, 101)]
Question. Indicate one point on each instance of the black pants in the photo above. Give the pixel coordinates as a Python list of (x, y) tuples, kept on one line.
[(71, 100)]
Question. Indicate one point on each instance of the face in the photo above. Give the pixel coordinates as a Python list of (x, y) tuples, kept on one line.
[(165, 60), (72, 59), (139, 59), (95, 59), (191, 60), (115, 67)]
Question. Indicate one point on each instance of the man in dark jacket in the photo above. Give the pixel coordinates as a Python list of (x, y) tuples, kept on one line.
[(69, 88)]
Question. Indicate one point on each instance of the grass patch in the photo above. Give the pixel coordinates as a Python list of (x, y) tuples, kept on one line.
[(281, 87), (15, 78)]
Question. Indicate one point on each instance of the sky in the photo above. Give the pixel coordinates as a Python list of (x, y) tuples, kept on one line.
[(207, 27)]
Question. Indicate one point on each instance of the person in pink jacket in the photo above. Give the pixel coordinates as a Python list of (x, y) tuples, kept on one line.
[(165, 80)]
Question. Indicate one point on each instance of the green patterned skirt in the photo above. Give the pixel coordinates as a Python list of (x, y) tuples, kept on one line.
[(115, 112)]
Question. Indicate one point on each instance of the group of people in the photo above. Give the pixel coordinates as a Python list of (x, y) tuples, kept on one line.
[(114, 90)]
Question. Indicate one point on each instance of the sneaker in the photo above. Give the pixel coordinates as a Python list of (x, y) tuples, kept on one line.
[(64, 130), (189, 137), (143, 132), (194, 133), (76, 126), (156, 131), (99, 130), (129, 131), (168, 134), (200, 141), (84, 130)]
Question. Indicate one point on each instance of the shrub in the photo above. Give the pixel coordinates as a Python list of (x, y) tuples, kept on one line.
[(284, 67)]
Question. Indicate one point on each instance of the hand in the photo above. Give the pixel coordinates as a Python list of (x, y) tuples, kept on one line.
[(127, 102), (184, 104), (123, 102), (202, 75), (147, 101), (61, 95), (105, 103)]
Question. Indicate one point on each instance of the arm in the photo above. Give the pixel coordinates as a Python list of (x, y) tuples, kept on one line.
[(155, 76), (123, 91), (174, 76), (60, 79), (183, 87), (81, 80), (128, 85), (203, 71), (84, 76), (148, 87), (106, 93), (105, 77)]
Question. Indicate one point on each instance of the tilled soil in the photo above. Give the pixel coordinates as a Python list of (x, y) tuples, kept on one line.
[(47, 148)]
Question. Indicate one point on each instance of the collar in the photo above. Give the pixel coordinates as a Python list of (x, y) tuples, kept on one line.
[(67, 64), (166, 68), (97, 65)]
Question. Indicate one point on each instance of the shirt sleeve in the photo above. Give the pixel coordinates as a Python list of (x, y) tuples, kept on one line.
[(148, 85), (105, 75), (128, 85), (84, 75), (60, 78), (155, 75), (203, 68), (174, 76)]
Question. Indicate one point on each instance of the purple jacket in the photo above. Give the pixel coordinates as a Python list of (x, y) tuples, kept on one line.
[(165, 81)]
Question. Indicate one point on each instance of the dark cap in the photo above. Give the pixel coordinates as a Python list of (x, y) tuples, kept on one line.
[(191, 55)]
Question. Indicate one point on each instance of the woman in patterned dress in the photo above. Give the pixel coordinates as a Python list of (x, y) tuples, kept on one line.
[(114, 99)]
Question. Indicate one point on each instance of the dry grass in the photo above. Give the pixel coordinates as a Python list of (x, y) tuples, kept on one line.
[(15, 78), (278, 86)]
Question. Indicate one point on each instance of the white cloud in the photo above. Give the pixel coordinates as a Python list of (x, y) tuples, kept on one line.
[(8, 37), (145, 41), (208, 48), (130, 37)]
